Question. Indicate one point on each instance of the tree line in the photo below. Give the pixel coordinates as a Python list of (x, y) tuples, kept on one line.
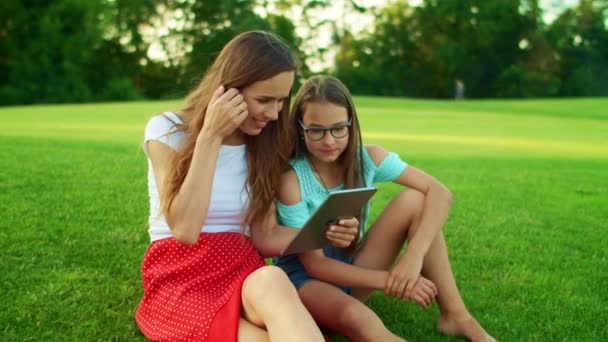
[(54, 51)]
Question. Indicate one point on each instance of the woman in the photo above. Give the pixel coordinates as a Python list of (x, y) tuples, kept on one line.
[(216, 165)]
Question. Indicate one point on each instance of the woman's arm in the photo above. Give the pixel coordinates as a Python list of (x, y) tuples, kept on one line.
[(189, 208), (269, 238), (188, 211)]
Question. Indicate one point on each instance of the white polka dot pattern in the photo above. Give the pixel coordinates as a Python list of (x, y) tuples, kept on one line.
[(187, 288)]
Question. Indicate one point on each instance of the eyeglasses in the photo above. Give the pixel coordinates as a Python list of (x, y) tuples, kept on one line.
[(317, 133)]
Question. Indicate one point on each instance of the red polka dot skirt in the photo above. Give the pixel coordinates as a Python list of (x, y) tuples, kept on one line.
[(193, 293)]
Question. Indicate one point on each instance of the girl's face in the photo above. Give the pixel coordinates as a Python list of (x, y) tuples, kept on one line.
[(326, 130), (265, 100)]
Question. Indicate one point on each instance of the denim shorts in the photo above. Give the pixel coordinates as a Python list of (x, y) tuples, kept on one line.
[(297, 273)]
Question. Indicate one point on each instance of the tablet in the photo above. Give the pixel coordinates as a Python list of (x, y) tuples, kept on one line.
[(339, 204)]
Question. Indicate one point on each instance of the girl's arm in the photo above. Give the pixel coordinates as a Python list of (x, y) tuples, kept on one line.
[(437, 203), (271, 241), (438, 200), (339, 273), (270, 238), (315, 262)]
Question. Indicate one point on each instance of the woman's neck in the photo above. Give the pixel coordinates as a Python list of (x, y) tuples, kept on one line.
[(236, 138)]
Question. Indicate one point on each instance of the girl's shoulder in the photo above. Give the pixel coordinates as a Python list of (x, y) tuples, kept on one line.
[(289, 188), (374, 154)]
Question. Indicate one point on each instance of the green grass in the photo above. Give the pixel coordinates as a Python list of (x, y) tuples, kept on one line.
[(526, 235)]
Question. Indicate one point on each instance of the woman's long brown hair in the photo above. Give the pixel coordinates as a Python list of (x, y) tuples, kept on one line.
[(319, 89), (248, 58)]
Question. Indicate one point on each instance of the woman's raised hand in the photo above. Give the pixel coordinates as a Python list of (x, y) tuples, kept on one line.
[(225, 112)]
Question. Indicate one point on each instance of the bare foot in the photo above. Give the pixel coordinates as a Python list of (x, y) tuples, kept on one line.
[(464, 325)]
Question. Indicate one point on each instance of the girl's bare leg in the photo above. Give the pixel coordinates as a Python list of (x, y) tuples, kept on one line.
[(340, 312), (400, 220)]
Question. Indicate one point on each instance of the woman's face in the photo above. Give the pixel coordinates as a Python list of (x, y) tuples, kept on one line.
[(265, 100), (321, 144)]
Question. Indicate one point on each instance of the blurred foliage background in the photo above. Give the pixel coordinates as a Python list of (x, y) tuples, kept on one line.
[(55, 51)]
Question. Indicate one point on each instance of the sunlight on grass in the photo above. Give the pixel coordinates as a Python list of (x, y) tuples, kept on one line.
[(526, 234), (526, 146)]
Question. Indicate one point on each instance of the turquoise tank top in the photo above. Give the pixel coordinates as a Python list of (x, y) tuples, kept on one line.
[(313, 193)]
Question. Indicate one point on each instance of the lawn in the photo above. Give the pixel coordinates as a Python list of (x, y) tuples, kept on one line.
[(527, 233)]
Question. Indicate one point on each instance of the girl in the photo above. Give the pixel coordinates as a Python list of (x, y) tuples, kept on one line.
[(328, 155), (211, 179)]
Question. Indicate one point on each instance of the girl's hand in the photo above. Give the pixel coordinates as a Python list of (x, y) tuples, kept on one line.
[(423, 293), (225, 112), (343, 233), (403, 276)]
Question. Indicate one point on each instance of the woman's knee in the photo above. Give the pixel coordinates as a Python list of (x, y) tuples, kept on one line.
[(267, 283)]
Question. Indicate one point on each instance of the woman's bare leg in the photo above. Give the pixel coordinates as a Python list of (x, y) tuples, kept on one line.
[(400, 220), (248, 332), (271, 302)]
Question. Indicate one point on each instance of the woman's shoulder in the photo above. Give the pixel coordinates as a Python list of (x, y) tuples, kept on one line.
[(162, 124), (165, 128)]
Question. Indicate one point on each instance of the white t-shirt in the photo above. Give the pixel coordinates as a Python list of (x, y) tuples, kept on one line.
[(229, 198)]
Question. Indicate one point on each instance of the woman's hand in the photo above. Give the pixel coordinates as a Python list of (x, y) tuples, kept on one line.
[(225, 112), (403, 276), (343, 233)]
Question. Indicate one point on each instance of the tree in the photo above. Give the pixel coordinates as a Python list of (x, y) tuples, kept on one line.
[(46, 48), (381, 62), (580, 37)]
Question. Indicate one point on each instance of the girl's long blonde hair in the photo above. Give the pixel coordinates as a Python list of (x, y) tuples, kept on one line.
[(248, 58)]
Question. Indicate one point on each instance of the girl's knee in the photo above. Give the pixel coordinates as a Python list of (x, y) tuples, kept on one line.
[(412, 197), (411, 205), (410, 200)]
